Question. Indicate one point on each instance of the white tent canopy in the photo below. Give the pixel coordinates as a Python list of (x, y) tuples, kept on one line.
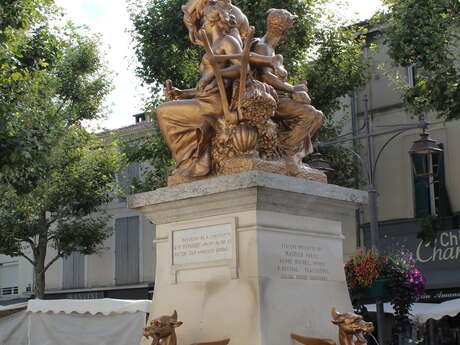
[(422, 312), (104, 306), (438, 311), (76, 322)]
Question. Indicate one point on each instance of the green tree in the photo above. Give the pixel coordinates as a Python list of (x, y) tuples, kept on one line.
[(59, 212), (425, 34), (46, 72), (53, 174), (24, 54), (337, 70), (327, 56)]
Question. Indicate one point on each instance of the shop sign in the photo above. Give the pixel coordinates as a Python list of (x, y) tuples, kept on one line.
[(439, 295), (439, 260), (446, 247)]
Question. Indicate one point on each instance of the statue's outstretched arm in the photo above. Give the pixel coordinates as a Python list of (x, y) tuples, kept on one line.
[(232, 71), (188, 93), (299, 92), (271, 79), (254, 58), (173, 93)]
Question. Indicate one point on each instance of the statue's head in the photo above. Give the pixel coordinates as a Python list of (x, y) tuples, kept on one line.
[(215, 15), (231, 19), (279, 21)]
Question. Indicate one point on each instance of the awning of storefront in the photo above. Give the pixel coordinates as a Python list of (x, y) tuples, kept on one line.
[(422, 312)]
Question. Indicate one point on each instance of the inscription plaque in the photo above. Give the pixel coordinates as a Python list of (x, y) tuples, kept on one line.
[(204, 244), (303, 261)]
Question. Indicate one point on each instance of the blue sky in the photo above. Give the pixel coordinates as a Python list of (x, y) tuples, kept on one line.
[(94, 9), (110, 19)]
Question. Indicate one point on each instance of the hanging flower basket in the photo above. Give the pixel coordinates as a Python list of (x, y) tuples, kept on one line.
[(394, 278), (380, 288)]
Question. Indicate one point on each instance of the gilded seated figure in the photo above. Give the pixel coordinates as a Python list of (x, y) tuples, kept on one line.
[(298, 120)]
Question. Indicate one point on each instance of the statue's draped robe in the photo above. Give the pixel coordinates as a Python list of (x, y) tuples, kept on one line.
[(188, 133)]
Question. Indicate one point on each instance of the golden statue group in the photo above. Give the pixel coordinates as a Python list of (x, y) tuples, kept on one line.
[(243, 114)]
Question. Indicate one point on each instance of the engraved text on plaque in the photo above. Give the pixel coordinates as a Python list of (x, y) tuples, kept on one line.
[(204, 244)]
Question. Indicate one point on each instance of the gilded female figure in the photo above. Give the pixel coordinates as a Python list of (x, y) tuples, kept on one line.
[(183, 120)]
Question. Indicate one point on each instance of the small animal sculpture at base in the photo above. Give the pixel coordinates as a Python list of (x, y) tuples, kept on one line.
[(352, 327), (163, 330)]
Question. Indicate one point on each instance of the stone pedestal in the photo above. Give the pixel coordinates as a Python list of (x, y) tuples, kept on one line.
[(252, 257)]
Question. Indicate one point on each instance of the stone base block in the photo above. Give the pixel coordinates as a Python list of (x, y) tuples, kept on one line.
[(252, 257)]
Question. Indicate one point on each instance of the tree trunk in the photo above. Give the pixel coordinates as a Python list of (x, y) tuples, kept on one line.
[(40, 266), (39, 281)]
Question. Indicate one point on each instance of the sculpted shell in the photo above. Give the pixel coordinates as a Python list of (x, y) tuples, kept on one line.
[(244, 139)]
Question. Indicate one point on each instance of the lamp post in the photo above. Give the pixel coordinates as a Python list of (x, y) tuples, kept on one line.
[(424, 145)]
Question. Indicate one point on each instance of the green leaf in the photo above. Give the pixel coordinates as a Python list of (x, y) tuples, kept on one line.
[(16, 76)]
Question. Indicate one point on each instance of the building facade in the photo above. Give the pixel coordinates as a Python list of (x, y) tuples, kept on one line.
[(125, 269), (418, 195)]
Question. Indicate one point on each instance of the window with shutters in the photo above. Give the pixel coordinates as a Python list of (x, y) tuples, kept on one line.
[(430, 193), (126, 176), (74, 271), (9, 279), (127, 250), (411, 73)]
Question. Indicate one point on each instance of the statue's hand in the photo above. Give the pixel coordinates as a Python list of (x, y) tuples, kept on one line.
[(301, 97), (277, 60), (173, 94), (281, 73), (300, 88), (211, 85), (204, 81)]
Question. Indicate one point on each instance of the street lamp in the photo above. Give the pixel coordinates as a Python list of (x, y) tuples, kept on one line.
[(319, 163), (425, 145)]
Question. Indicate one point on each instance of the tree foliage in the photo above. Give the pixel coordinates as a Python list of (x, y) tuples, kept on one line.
[(53, 173), (328, 56), (425, 33), (45, 72), (338, 69), (164, 50), (21, 58)]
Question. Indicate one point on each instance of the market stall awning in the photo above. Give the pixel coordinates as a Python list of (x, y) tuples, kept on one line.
[(438, 311), (76, 322), (422, 312), (104, 306)]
